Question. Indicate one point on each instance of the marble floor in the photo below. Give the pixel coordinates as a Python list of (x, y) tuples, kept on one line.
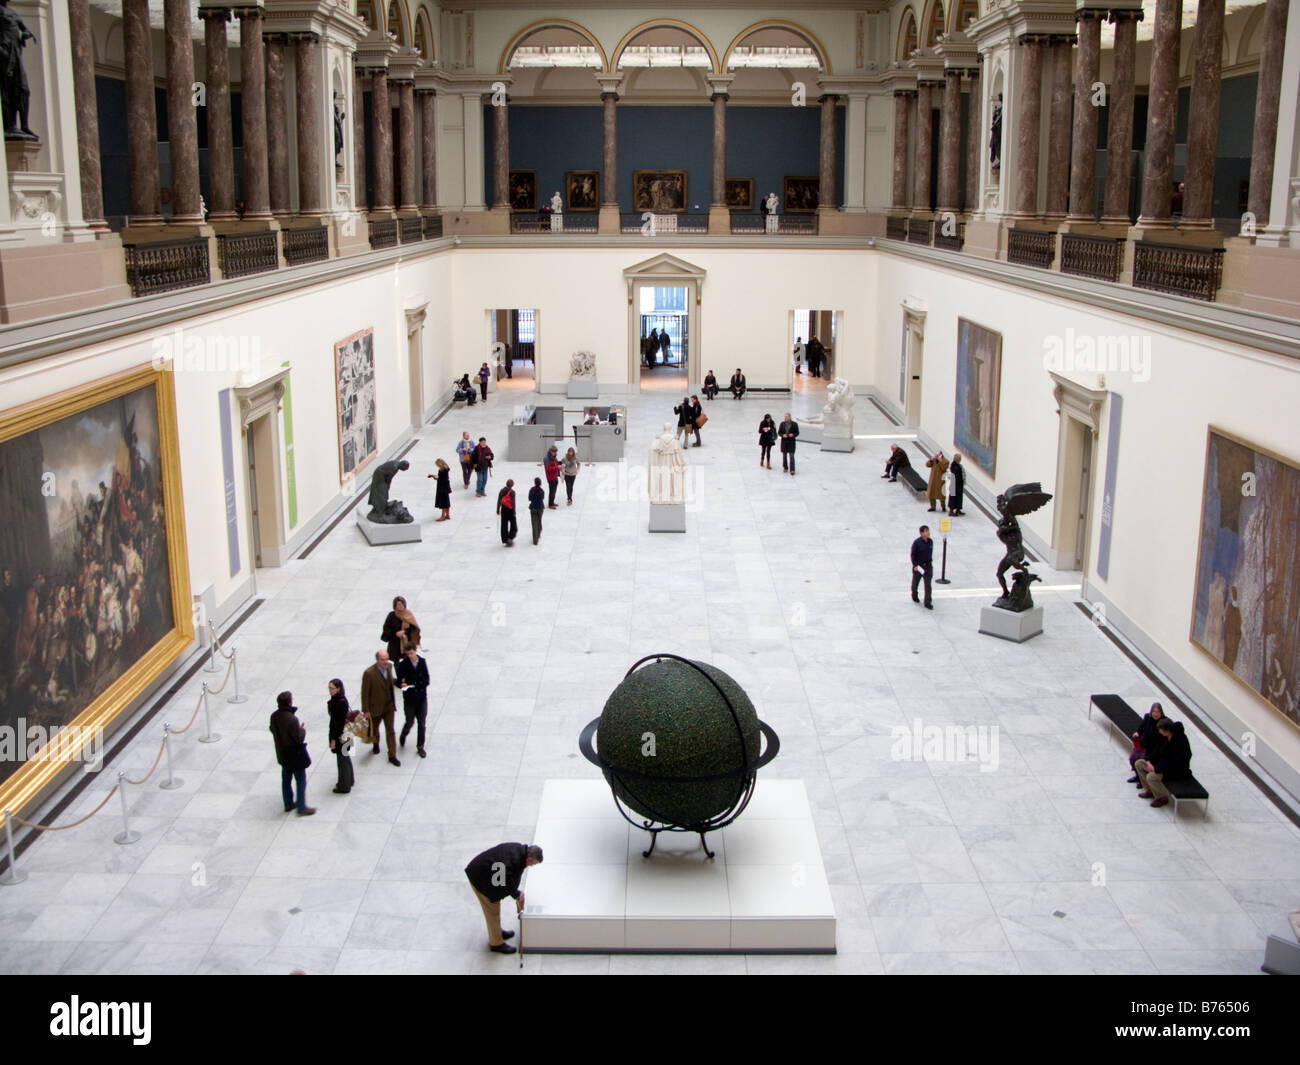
[(1035, 857)]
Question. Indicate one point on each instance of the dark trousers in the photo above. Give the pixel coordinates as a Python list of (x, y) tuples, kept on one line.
[(536, 516), (509, 525), (787, 455), (287, 778), (416, 709), (552, 487), (466, 468), (346, 776), (568, 486), (916, 579), (765, 454), (710, 391), (891, 470), (482, 387)]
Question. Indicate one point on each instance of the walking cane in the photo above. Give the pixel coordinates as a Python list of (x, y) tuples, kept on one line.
[(521, 939)]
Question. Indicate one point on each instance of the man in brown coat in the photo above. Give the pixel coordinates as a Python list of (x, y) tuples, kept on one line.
[(938, 467), (378, 700)]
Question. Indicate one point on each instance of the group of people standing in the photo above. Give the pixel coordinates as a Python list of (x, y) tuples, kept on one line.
[(814, 352), (539, 500), (768, 434), (689, 419), (951, 502), (653, 343)]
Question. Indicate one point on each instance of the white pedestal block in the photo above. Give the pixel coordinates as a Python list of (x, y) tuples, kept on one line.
[(667, 517), (809, 433), (388, 534), (582, 388), (835, 442), (764, 892), (1014, 625)]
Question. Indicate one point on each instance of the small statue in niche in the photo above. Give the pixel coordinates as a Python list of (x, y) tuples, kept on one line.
[(1017, 500), (14, 94), (338, 129), (384, 511), (995, 135)]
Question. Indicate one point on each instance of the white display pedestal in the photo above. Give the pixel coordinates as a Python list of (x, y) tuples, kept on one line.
[(809, 432), (583, 388), (409, 533), (1014, 625), (667, 517), (765, 891), (837, 442), (557, 223)]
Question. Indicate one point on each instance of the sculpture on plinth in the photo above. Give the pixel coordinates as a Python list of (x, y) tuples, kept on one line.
[(995, 136), (582, 365), (384, 511), (557, 204), (14, 94), (667, 470), (1018, 500), (837, 416)]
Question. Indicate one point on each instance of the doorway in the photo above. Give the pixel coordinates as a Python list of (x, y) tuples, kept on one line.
[(912, 361), (265, 536), (415, 361), (664, 335), (512, 348), (1080, 410), (805, 326)]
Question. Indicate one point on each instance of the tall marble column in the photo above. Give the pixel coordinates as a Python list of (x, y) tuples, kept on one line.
[(182, 122), (359, 139), (973, 142), (381, 131), (898, 196), (609, 158), (1267, 99), (277, 129), (501, 154), (221, 151), (826, 156), (141, 118), (1203, 118), (409, 200), (252, 76), (1119, 119), (83, 68), (307, 78), (719, 99), (1083, 153), (428, 147), (1061, 50), (1028, 115), (921, 157), (950, 140), (1162, 105)]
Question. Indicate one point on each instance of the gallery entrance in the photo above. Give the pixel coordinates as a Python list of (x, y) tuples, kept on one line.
[(512, 349), (260, 414), (804, 327), (1080, 409), (665, 337)]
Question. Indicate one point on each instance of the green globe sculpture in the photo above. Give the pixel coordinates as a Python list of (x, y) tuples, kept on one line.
[(680, 744)]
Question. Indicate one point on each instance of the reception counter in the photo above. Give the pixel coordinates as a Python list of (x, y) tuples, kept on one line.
[(543, 427)]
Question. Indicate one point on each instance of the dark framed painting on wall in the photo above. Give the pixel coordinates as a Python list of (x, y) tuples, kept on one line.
[(1247, 593), (740, 194), (581, 190), (94, 575), (661, 191), (354, 368), (800, 195), (523, 190), (979, 384)]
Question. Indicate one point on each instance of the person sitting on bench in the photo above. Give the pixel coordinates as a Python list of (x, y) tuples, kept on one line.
[(1173, 763), (737, 384), (897, 460), (465, 391), (1147, 740)]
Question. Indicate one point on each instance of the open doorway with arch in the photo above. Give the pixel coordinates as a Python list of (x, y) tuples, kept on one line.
[(512, 349), (812, 342), (665, 337)]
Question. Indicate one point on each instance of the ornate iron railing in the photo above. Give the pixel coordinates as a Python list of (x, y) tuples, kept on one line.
[(586, 222), (1031, 247), (1178, 269), (410, 228), (919, 230), (1088, 256), (951, 241), (167, 265), (241, 254), (307, 244), (383, 233), (744, 222), (432, 226), (896, 227)]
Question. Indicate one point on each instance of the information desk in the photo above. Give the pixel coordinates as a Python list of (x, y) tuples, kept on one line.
[(543, 427)]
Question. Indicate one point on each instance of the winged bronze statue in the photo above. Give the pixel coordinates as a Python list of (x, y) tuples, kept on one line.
[(1016, 501)]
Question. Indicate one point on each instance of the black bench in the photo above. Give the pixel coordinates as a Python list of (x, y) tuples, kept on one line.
[(914, 481), (1126, 721)]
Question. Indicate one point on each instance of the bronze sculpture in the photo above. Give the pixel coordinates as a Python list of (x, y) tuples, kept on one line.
[(14, 93), (384, 511), (1017, 500)]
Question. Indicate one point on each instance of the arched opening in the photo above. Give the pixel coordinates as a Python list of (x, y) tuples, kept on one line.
[(423, 41), (396, 24), (933, 24), (907, 37), (962, 14)]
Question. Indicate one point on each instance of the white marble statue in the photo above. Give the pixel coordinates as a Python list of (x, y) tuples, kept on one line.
[(582, 365), (557, 204), (837, 415), (772, 203), (771, 222), (667, 470)]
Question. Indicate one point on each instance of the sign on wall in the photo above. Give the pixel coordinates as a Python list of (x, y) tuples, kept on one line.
[(1108, 486)]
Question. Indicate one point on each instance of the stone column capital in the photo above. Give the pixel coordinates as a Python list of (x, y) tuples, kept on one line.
[(216, 14), (906, 94), (302, 35), (1091, 14), (1126, 15), (275, 38)]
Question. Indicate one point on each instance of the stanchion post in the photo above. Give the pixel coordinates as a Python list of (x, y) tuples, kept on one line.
[(172, 782), (208, 735), (944, 524), (127, 835), (212, 666), (13, 875), (234, 666)]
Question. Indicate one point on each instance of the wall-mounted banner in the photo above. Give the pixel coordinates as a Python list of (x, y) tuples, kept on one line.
[(1108, 488), (290, 473), (228, 476)]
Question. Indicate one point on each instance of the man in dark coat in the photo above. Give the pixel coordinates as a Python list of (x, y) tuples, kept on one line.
[(816, 354), (377, 700), (506, 508), (493, 875), (923, 565), (788, 432), (957, 475), (291, 752), (413, 678), (1172, 762), (898, 460), (737, 384)]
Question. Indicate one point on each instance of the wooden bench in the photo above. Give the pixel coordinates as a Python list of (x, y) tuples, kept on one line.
[(1126, 721)]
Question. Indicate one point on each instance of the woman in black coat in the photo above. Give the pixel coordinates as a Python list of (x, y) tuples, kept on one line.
[(442, 496), (1147, 741), (766, 440), (338, 711), (710, 386)]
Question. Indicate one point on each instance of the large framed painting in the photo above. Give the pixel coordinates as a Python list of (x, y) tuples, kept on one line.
[(800, 195), (979, 383), (661, 191), (581, 190), (94, 579), (354, 368), (523, 190), (1247, 595), (740, 193)]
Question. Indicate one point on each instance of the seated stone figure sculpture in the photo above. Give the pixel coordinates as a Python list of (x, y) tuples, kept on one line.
[(384, 511)]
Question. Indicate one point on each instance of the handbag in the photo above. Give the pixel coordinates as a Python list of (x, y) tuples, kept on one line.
[(700, 419)]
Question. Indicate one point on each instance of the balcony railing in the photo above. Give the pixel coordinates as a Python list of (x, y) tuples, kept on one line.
[(783, 225), (167, 265), (919, 230), (241, 254), (307, 244), (1178, 269), (432, 226), (665, 223), (1097, 257), (562, 223), (951, 241), (896, 227), (410, 228), (1031, 247), (383, 233)]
